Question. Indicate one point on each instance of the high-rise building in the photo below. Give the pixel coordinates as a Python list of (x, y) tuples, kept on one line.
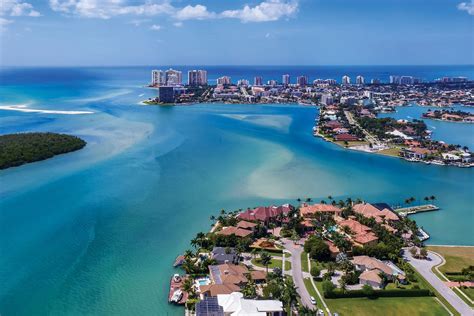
[(173, 77), (407, 80), (346, 80), (272, 82), (157, 77), (166, 94), (243, 82), (285, 79), (360, 80), (223, 80), (394, 79), (197, 77), (375, 81), (327, 99), (257, 81), (302, 81)]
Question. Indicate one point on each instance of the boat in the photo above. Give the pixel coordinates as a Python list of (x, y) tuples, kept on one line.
[(177, 296), (178, 261)]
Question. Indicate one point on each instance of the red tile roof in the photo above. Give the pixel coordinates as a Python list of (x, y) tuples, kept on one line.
[(240, 232), (264, 213), (319, 208)]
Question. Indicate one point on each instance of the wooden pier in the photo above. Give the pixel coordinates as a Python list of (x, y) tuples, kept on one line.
[(404, 211)]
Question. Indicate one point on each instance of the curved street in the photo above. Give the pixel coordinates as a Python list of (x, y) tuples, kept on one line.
[(424, 268)]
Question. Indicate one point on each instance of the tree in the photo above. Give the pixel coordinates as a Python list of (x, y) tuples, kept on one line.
[(250, 289), (343, 284), (328, 288), (413, 251), (254, 253), (317, 249), (368, 291), (265, 259), (329, 197), (294, 236), (423, 253), (188, 287), (315, 271), (289, 294)]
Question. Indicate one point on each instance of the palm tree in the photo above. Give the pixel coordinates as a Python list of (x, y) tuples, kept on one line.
[(188, 287), (212, 218), (222, 212), (329, 197), (343, 284), (290, 294), (426, 198), (194, 242), (188, 254), (323, 202), (265, 259), (309, 199), (298, 199), (432, 198)]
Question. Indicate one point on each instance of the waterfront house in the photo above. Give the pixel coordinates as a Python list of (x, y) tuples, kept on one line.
[(246, 225), (265, 214), (346, 138), (209, 306), (224, 255), (311, 210), (231, 230), (373, 268), (380, 211), (235, 304), (264, 243), (359, 234)]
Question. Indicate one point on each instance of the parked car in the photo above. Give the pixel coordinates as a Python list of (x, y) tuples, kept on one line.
[(313, 301)]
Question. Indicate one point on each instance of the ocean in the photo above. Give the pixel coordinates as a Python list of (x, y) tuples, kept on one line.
[(96, 231)]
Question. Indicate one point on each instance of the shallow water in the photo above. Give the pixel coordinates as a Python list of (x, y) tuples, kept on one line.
[(96, 231)]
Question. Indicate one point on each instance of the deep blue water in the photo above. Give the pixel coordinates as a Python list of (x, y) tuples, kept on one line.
[(96, 231)]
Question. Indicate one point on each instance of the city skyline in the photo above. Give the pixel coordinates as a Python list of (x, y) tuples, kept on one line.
[(270, 32)]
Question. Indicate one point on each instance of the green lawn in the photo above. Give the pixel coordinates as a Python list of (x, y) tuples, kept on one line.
[(390, 152), (309, 286), (469, 292), (304, 262), (386, 306), (456, 258), (275, 263)]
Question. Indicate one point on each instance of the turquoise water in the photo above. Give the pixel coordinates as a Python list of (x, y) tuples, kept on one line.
[(97, 231)]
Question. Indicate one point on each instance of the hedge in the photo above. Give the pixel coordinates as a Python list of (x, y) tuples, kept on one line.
[(380, 293)]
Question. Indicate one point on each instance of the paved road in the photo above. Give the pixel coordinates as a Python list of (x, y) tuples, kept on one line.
[(424, 268), (297, 273)]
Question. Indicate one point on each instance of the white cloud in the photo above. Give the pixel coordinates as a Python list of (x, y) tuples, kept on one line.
[(4, 23), (467, 6), (178, 24), (197, 12), (17, 8), (271, 10), (155, 27), (105, 9), (138, 22), (267, 35)]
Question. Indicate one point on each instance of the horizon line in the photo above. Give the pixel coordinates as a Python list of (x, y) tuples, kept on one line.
[(235, 65)]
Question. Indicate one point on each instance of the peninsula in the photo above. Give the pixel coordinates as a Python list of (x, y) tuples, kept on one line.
[(22, 148), (311, 259), (450, 116)]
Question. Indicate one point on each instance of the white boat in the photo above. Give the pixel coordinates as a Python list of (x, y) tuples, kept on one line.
[(177, 296)]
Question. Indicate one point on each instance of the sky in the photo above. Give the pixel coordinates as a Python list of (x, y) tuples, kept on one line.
[(235, 32)]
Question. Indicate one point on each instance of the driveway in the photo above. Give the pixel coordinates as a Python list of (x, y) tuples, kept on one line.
[(424, 268), (297, 273)]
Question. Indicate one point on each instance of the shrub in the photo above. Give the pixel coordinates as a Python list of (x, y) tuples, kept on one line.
[(315, 271), (328, 288)]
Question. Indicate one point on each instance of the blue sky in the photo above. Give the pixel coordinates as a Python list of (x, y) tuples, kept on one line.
[(217, 32)]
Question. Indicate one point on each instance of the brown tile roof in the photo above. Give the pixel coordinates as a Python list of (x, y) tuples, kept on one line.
[(258, 275), (216, 289), (229, 273), (368, 210), (371, 275), (319, 208), (246, 225), (372, 263), (240, 232), (264, 213)]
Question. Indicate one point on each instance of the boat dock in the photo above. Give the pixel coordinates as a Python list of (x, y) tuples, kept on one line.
[(404, 211), (176, 294)]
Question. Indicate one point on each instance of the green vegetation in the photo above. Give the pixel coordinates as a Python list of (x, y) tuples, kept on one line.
[(387, 306), (457, 258), (304, 261), (469, 291), (274, 263), (19, 149), (312, 291)]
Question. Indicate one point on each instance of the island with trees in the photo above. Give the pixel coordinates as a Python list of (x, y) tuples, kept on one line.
[(22, 148), (450, 116)]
